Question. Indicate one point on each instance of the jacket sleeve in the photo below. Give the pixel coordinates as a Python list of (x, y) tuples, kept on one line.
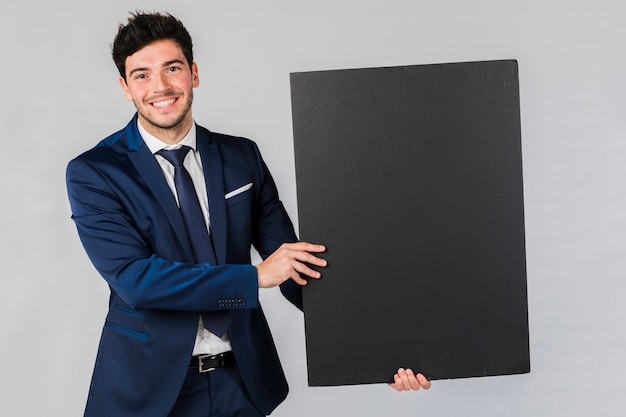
[(123, 257)]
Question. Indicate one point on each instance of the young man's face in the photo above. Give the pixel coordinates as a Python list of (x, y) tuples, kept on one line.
[(160, 82)]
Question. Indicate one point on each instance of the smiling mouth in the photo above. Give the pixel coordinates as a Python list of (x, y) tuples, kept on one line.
[(164, 103)]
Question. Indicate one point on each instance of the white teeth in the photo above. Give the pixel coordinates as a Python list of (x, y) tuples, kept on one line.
[(164, 103)]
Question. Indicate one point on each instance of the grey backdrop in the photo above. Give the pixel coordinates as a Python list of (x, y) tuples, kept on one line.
[(60, 96)]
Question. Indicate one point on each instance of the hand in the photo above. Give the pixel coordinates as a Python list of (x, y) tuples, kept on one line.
[(289, 261), (406, 380)]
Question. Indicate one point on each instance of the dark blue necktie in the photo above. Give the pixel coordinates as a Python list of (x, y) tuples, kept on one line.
[(216, 322)]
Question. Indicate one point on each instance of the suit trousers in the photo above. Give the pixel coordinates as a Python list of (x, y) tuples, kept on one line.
[(218, 393)]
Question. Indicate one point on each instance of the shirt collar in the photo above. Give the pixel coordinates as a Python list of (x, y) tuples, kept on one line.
[(155, 144)]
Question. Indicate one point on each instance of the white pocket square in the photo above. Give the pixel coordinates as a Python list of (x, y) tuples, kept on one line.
[(238, 191)]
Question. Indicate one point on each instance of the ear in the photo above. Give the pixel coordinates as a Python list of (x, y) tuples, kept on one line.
[(125, 89), (194, 75)]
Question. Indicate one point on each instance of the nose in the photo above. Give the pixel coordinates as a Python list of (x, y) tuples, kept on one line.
[(160, 83)]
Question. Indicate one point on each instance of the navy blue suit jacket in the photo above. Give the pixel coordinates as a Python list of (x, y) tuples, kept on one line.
[(133, 232)]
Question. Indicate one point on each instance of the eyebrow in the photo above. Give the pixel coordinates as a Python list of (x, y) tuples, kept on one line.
[(166, 64)]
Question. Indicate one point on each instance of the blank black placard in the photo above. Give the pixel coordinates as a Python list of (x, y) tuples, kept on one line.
[(412, 177)]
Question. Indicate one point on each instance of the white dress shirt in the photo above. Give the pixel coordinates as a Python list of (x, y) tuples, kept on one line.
[(206, 342)]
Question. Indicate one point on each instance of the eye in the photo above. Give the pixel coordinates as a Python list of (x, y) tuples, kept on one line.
[(141, 76), (173, 69)]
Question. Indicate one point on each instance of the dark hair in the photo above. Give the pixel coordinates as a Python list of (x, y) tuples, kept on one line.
[(143, 29)]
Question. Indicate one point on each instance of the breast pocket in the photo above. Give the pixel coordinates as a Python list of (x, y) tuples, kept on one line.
[(239, 209), (238, 195)]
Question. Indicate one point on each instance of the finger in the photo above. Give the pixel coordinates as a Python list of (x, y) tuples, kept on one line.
[(397, 384), (307, 257), (297, 278), (413, 382), (404, 380), (304, 269), (304, 247), (424, 382)]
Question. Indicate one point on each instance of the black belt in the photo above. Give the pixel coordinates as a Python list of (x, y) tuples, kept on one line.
[(207, 363)]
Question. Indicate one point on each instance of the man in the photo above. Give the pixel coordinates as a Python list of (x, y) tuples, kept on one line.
[(185, 334)]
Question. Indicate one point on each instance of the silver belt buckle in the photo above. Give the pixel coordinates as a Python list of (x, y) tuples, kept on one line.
[(201, 364)]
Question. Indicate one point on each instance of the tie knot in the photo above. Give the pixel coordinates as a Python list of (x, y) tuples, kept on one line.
[(175, 156)]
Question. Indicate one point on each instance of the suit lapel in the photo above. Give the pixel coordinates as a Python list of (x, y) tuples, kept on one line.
[(214, 178), (151, 173)]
